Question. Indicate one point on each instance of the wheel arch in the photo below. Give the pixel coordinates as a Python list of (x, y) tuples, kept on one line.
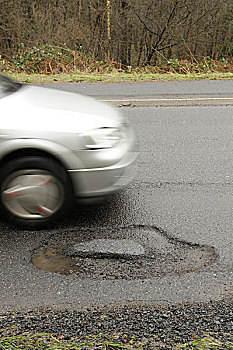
[(27, 147), (27, 152), (32, 151)]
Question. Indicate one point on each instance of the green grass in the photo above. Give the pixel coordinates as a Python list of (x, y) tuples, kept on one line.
[(49, 342), (208, 341), (116, 77)]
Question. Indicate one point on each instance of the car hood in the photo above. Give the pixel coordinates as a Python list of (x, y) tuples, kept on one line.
[(42, 109)]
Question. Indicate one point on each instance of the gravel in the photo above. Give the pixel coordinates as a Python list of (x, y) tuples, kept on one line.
[(173, 323)]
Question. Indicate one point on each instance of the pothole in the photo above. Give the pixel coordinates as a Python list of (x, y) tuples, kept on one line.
[(129, 253)]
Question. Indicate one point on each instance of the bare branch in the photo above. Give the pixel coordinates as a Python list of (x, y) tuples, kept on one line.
[(145, 26)]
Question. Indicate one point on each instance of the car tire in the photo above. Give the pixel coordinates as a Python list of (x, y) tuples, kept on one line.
[(34, 191)]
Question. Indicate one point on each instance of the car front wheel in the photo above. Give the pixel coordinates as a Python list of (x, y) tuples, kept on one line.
[(34, 191)]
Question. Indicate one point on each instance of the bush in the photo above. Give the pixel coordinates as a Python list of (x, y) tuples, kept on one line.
[(48, 59)]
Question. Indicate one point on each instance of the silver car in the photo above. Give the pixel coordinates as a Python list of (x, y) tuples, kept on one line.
[(56, 146)]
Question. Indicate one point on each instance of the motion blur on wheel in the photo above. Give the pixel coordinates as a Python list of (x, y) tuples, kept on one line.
[(55, 147)]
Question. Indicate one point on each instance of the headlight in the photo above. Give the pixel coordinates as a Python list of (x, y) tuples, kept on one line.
[(103, 138)]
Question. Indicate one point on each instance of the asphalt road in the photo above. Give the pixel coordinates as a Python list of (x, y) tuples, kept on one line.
[(147, 90), (183, 190)]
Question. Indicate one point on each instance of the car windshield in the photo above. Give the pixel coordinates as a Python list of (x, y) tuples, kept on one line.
[(7, 86)]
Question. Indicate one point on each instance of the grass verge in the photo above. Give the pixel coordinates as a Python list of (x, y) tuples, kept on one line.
[(116, 77), (208, 341)]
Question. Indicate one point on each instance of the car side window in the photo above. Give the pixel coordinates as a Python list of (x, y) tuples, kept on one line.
[(7, 86)]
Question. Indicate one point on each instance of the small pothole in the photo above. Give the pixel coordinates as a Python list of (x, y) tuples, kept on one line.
[(130, 253)]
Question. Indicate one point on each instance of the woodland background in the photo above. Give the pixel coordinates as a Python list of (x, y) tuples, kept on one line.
[(126, 32)]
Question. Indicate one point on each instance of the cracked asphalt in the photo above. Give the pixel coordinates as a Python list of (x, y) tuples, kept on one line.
[(183, 188)]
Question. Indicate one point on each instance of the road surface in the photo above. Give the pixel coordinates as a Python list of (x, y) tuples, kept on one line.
[(182, 194)]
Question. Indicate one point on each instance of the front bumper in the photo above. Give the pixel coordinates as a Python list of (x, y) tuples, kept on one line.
[(100, 182)]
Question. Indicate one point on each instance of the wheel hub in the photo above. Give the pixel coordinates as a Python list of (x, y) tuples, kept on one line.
[(32, 194)]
